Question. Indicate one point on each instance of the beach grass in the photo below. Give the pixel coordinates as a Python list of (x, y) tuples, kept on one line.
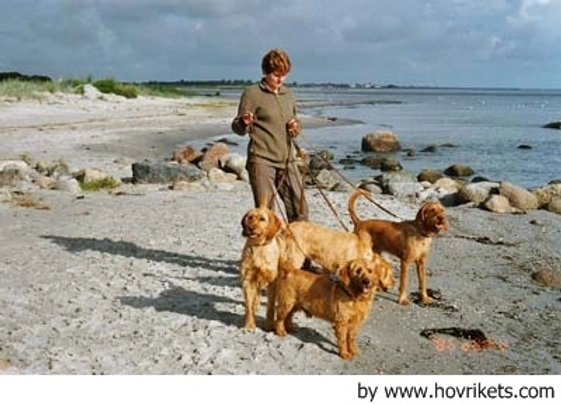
[(35, 90)]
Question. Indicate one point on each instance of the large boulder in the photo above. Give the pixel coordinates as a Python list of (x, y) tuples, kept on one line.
[(235, 163), (459, 170), (148, 172), (546, 193), (477, 192), (212, 155), (186, 155), (518, 197), (380, 142), (498, 204)]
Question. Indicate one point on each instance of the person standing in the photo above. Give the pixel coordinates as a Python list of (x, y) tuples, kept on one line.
[(267, 113)]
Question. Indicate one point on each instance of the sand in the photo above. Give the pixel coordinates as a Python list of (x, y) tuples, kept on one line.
[(145, 281)]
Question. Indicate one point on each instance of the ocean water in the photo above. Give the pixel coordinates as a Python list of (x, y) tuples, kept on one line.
[(485, 126)]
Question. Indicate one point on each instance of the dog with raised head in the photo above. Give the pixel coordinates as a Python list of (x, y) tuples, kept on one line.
[(343, 298), (264, 245), (409, 240)]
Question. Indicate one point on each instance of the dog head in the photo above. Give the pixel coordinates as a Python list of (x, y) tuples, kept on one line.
[(260, 225), (359, 276), (431, 219)]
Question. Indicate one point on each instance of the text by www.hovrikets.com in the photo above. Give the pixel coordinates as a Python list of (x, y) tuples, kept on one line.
[(476, 391)]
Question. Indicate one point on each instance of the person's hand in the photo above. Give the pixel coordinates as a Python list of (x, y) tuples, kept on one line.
[(248, 118), (292, 127)]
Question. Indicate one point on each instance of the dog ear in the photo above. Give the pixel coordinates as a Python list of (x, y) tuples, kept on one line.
[(274, 226), (344, 274), (243, 220)]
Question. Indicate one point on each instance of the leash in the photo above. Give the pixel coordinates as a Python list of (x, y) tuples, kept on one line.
[(367, 196)]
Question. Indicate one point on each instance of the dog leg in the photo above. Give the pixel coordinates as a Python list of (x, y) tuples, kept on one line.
[(422, 276), (283, 313), (271, 305), (251, 300), (341, 333), (351, 340), (403, 280)]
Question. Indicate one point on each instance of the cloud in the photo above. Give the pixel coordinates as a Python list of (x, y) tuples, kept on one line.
[(438, 42)]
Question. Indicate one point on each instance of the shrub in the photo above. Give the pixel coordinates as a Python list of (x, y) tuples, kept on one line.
[(105, 183), (108, 86)]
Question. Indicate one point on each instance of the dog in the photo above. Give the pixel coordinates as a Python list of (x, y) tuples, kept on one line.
[(345, 300), (409, 240), (263, 247), (331, 249)]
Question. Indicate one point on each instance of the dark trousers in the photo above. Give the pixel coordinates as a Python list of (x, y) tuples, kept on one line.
[(266, 181)]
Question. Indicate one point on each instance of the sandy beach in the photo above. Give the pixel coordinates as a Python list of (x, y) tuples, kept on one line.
[(145, 280)]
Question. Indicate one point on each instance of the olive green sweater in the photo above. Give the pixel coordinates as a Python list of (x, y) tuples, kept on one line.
[(269, 140)]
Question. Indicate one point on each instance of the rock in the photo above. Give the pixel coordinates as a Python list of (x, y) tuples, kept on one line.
[(45, 182), (91, 175), (498, 204), (477, 192), (319, 162), (448, 183), (148, 172), (182, 185), (211, 156), (234, 163), (381, 142), (371, 187), (22, 165), (554, 205), (11, 175), (67, 184), (429, 175), (430, 149), (326, 179), (389, 164), (217, 175), (445, 191), (546, 193), (400, 183), (91, 92), (547, 277), (373, 162), (553, 125), (518, 197), (459, 170), (186, 155)]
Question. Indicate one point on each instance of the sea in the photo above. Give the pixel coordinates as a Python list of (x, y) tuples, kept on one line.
[(497, 132)]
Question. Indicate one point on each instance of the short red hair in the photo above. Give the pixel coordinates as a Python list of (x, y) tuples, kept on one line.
[(276, 60)]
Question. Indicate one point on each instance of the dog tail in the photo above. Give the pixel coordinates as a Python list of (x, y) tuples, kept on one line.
[(351, 205)]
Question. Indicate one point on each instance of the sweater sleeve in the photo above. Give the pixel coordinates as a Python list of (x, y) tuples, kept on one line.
[(246, 105)]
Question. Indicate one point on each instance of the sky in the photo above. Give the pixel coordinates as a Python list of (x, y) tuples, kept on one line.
[(448, 43)]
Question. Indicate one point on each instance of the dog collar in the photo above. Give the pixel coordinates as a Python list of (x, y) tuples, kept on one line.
[(337, 281)]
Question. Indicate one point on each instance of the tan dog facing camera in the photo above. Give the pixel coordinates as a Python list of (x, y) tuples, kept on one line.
[(263, 247), (344, 300), (409, 240)]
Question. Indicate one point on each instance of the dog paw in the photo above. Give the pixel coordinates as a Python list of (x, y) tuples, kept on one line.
[(404, 301), (427, 301), (250, 325), (354, 350), (345, 355), (281, 332)]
